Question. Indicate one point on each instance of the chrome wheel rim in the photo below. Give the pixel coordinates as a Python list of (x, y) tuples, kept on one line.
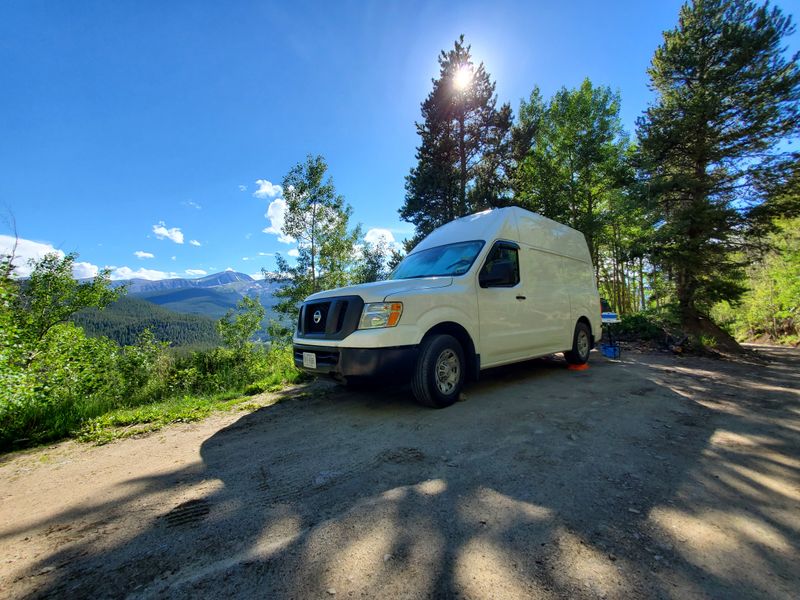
[(448, 371), (583, 344)]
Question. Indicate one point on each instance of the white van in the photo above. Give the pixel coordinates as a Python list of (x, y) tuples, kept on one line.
[(492, 288)]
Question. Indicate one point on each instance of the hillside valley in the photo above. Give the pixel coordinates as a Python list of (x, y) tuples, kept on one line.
[(181, 311)]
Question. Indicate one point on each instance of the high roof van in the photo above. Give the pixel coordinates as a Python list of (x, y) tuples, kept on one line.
[(488, 289)]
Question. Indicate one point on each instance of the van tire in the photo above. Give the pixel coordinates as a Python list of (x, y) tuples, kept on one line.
[(581, 345), (431, 384)]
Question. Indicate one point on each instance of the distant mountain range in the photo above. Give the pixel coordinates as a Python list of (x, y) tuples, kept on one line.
[(138, 286), (209, 297)]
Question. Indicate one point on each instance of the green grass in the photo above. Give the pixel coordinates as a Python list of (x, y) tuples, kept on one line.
[(111, 394), (127, 422)]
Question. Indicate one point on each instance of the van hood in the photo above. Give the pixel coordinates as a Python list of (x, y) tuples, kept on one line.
[(378, 291)]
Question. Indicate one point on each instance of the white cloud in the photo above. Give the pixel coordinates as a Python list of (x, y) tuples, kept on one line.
[(230, 269), (294, 252), (242, 188), (150, 274), (195, 272), (276, 213), (266, 254), (84, 270), (374, 235), (173, 258), (194, 243), (266, 189), (245, 258), (257, 276), (173, 233), (143, 254), (192, 204), (25, 251)]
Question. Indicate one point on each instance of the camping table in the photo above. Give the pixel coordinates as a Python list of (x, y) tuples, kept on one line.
[(608, 320)]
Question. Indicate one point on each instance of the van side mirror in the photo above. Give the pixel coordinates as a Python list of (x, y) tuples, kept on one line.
[(498, 273)]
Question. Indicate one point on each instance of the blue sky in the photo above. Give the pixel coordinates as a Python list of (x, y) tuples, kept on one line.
[(128, 127)]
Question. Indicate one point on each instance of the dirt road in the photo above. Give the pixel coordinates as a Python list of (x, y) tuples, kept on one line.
[(658, 476)]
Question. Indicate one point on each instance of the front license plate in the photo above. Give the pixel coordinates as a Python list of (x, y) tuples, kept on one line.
[(309, 360)]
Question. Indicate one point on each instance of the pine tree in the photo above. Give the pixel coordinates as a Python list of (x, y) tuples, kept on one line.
[(463, 156), (727, 97)]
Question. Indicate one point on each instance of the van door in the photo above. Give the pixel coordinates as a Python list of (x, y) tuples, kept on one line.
[(504, 325), (548, 304)]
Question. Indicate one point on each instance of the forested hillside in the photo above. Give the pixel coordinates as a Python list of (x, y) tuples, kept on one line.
[(125, 320)]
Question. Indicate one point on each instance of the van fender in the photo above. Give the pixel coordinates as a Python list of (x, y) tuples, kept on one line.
[(457, 323), (430, 319)]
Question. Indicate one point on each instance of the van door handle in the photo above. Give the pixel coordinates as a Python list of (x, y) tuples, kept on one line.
[(521, 298)]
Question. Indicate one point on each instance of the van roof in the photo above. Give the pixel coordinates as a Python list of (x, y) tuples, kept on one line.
[(512, 223)]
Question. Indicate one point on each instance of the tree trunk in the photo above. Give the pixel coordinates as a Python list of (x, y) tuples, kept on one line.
[(643, 306), (462, 155)]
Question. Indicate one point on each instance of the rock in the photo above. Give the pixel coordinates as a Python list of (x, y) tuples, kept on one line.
[(386, 557), (634, 511), (332, 591)]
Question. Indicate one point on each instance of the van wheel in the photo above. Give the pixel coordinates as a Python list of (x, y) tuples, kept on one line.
[(440, 372), (581, 345)]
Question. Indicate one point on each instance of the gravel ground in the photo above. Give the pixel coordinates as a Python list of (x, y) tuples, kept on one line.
[(654, 477)]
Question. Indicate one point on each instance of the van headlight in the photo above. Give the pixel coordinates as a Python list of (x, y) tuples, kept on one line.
[(380, 314)]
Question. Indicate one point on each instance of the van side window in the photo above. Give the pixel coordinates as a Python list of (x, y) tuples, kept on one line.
[(501, 268)]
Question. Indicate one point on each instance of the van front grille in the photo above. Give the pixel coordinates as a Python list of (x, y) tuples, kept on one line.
[(330, 318)]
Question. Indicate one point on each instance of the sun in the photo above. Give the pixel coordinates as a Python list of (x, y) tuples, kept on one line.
[(462, 78)]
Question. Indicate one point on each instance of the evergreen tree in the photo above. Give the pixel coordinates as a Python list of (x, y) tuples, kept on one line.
[(318, 219), (711, 144), (465, 146)]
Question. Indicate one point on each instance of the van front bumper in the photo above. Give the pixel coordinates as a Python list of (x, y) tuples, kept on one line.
[(394, 363)]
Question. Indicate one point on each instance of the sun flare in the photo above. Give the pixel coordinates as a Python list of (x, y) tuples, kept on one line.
[(462, 78)]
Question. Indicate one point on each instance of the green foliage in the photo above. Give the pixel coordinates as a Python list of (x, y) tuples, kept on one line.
[(571, 157), (52, 374), (238, 326), (70, 378), (318, 219), (51, 296), (464, 152), (55, 380), (16, 383), (771, 306), (649, 324), (712, 142)]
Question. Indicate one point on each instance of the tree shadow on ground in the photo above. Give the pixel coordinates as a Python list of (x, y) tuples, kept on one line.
[(544, 483)]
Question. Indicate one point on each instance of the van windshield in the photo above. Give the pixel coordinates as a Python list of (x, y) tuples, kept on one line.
[(442, 261)]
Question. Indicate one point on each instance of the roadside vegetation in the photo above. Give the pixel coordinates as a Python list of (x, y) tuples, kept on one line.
[(56, 381)]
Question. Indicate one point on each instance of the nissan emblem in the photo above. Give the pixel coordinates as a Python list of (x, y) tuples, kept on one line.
[(317, 316)]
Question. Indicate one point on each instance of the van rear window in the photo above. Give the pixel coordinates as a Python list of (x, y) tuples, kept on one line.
[(449, 260)]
